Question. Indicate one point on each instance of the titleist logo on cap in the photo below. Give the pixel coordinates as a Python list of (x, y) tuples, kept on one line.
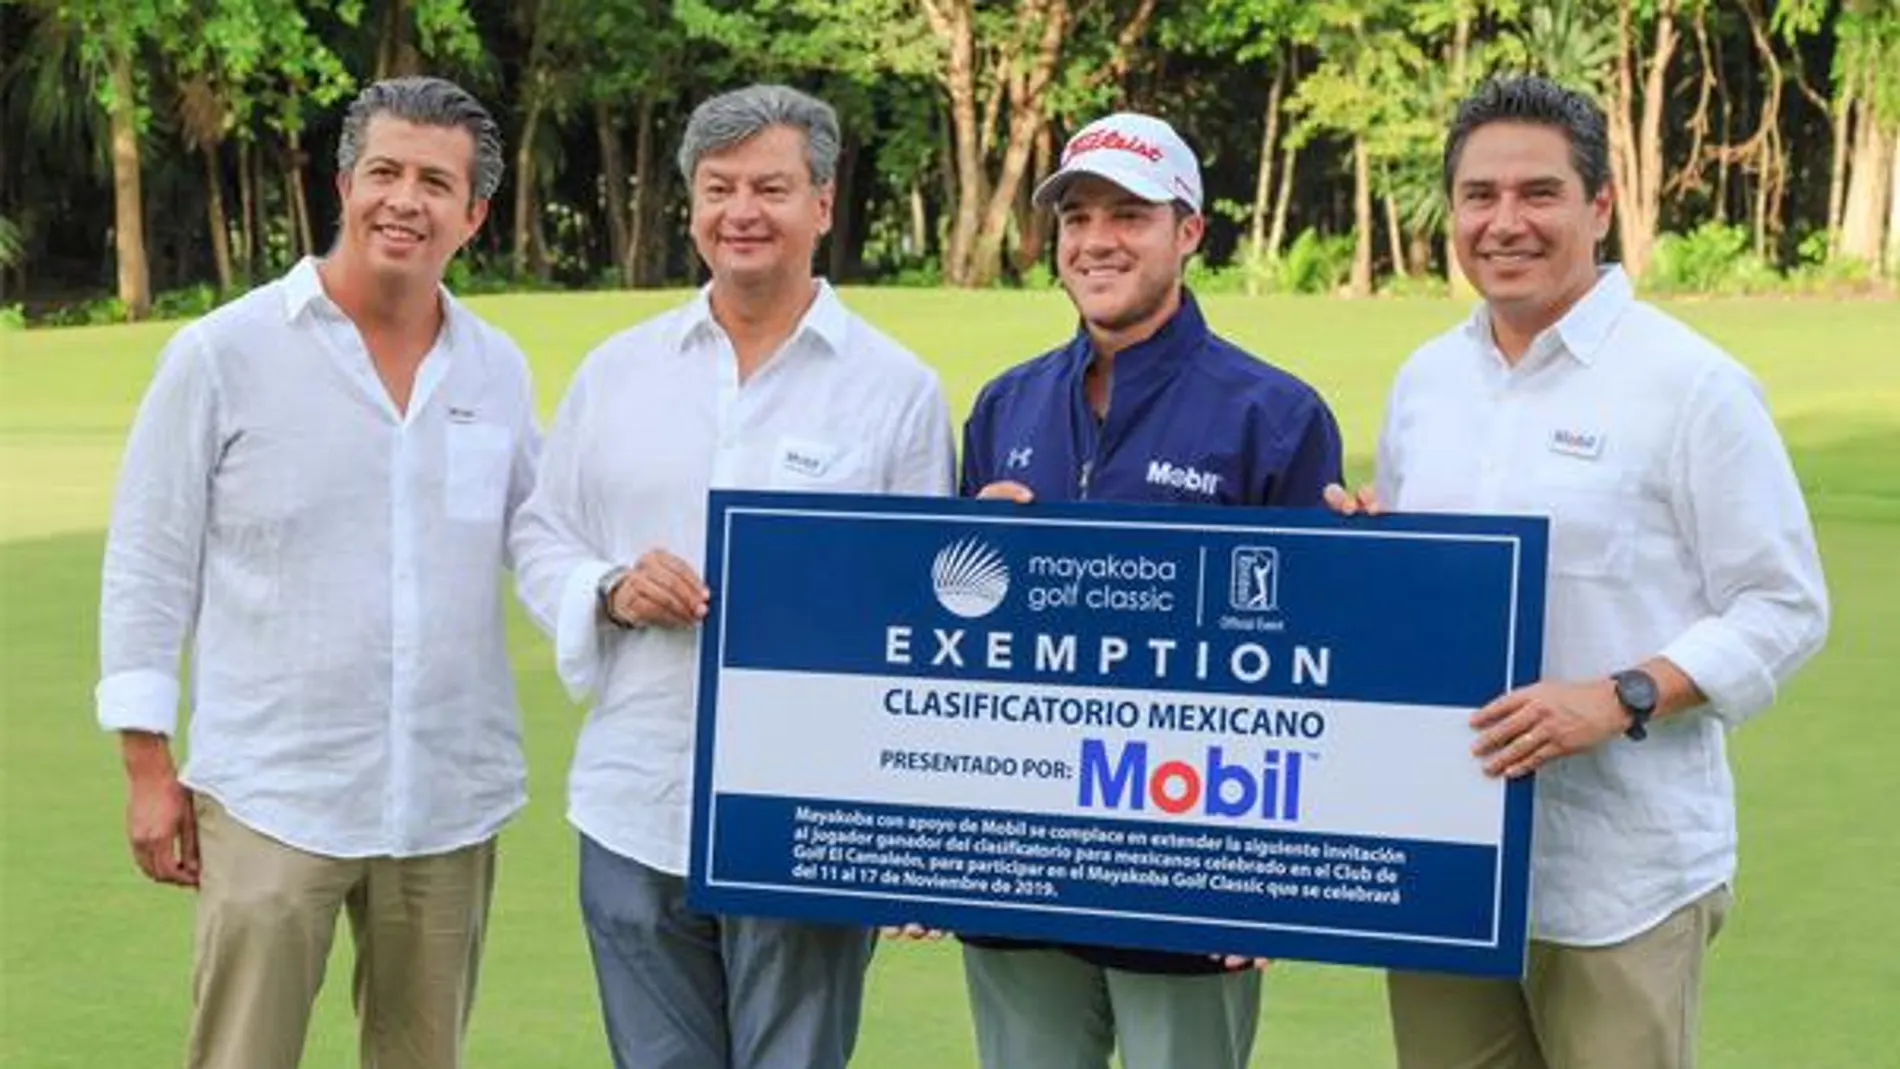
[(1112, 139)]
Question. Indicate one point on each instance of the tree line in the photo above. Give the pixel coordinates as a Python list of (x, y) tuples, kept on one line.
[(157, 145)]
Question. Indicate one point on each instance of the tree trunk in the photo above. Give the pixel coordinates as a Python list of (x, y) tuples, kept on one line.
[(844, 203), (1395, 239), (1263, 180), (1455, 279), (947, 181), (1758, 216), (1865, 216), (1032, 224), (128, 226), (1890, 263), (1723, 163), (986, 253), (953, 23), (1419, 250), (1283, 202), (524, 186), (919, 223), (1771, 166), (540, 262), (1026, 103), (639, 232), (1362, 219), (299, 201), (396, 54), (660, 235), (247, 210), (613, 177), (655, 192), (1636, 138), (1837, 175), (214, 211)]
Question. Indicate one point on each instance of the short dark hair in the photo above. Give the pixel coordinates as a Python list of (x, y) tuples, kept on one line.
[(1529, 98), (426, 102)]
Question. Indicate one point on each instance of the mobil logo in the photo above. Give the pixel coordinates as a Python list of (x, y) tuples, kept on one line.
[(1123, 779)]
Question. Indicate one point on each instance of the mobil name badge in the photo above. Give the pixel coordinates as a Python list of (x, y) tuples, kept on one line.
[(1233, 731)]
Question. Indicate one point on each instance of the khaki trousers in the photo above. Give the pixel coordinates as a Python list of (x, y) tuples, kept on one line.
[(1630, 1005), (265, 919)]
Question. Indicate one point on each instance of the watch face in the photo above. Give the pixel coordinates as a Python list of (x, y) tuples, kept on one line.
[(1636, 690)]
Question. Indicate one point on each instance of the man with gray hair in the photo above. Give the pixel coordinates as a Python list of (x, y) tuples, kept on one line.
[(314, 496), (766, 381)]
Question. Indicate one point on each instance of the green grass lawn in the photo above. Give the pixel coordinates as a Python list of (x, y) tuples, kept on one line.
[(94, 962)]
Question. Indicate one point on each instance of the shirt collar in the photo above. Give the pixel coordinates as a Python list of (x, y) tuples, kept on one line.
[(303, 289), (1174, 341), (826, 319), (304, 293), (1582, 330)]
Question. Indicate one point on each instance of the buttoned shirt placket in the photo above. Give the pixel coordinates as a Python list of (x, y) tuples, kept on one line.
[(736, 402), (344, 343), (729, 409)]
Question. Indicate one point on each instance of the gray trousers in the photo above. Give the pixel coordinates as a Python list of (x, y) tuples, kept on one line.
[(681, 989), (1047, 1009)]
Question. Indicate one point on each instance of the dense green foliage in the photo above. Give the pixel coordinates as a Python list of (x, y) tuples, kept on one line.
[(149, 146)]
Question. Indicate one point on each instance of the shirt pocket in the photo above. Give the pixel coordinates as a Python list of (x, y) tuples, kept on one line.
[(813, 464), (1592, 508), (475, 485)]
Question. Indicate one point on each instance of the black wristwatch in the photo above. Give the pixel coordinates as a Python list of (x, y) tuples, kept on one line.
[(604, 599), (1637, 692)]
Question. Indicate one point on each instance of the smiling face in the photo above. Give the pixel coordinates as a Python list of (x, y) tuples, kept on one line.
[(407, 204), (757, 216), (1119, 258), (1525, 230)]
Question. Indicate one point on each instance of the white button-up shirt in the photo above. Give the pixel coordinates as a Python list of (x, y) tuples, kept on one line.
[(337, 566), (654, 418), (1677, 528)]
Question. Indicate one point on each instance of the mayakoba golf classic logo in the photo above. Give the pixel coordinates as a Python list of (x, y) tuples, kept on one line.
[(970, 578)]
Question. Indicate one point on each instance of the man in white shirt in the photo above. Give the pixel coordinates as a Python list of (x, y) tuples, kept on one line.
[(764, 380), (314, 496), (1684, 588)]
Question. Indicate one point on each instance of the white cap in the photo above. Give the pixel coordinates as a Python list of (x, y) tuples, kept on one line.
[(1139, 153)]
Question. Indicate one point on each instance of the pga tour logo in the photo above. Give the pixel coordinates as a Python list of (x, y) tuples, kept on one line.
[(1254, 585), (970, 578)]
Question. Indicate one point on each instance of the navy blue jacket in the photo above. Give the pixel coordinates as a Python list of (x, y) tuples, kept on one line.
[(1191, 419)]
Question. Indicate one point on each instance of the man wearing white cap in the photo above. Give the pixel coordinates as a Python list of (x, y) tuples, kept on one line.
[(1143, 404)]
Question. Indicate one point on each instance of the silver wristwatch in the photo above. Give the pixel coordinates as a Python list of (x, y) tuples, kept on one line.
[(604, 598)]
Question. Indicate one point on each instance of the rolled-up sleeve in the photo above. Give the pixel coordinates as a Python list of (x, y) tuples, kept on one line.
[(557, 564), (1740, 506), (149, 585)]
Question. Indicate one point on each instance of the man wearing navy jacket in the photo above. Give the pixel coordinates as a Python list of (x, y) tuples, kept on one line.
[(1143, 404)]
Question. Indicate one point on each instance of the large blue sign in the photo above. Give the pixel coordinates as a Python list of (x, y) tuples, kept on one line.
[(1234, 731)]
